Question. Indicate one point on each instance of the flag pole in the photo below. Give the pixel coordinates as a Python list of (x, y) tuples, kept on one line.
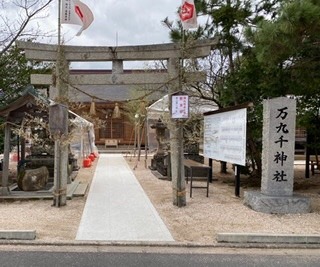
[(57, 151), (59, 23)]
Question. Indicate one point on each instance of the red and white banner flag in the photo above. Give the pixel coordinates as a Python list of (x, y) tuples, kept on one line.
[(188, 15), (76, 12)]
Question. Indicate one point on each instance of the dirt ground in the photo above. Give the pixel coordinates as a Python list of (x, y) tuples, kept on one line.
[(198, 222)]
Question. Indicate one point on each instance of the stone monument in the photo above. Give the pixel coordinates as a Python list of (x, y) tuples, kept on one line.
[(276, 196)]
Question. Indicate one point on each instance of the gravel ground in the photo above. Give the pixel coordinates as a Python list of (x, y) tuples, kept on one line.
[(198, 222)]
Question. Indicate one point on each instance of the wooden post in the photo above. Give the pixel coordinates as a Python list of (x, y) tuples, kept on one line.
[(23, 148), (56, 181), (211, 166), (6, 158), (139, 138), (111, 130), (237, 180), (146, 145), (307, 163), (135, 138)]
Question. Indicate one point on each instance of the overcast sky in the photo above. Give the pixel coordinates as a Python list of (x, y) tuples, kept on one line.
[(118, 22), (135, 22)]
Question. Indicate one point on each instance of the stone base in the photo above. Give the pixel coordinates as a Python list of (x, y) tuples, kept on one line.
[(4, 191), (272, 204), (159, 163)]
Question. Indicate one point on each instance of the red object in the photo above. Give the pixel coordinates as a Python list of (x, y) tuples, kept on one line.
[(14, 157), (187, 11), (86, 163), (92, 157)]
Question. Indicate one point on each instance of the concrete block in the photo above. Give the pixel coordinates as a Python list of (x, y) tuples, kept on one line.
[(18, 234), (80, 190)]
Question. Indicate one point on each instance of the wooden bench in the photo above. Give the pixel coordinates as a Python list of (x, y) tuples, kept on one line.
[(303, 157), (313, 162), (192, 165), (111, 142)]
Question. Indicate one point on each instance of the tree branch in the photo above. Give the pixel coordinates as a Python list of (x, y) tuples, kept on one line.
[(31, 8)]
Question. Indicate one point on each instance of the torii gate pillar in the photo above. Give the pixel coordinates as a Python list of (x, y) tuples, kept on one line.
[(176, 141), (61, 146)]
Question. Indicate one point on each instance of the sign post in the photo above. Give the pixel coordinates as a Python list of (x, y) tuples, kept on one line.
[(179, 108)]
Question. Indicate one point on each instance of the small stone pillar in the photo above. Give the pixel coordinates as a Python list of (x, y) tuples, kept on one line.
[(276, 196)]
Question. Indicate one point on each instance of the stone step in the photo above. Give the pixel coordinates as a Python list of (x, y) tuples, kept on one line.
[(80, 190), (71, 188)]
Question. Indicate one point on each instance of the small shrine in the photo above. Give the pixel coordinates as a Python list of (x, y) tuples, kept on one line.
[(28, 156)]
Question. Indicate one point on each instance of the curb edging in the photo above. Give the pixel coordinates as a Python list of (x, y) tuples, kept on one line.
[(267, 238)]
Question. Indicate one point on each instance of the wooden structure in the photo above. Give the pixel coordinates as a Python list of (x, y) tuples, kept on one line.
[(191, 166)]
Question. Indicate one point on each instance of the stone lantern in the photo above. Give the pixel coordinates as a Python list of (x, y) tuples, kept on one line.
[(159, 161), (160, 128)]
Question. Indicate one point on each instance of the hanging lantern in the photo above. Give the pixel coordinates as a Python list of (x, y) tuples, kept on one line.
[(116, 112), (93, 107), (143, 107)]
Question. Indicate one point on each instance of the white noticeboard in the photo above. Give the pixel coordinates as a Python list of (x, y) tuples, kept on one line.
[(225, 136), (180, 107)]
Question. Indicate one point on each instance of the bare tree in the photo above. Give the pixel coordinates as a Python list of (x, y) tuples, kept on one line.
[(15, 18)]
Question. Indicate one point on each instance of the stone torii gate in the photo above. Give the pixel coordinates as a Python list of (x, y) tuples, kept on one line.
[(170, 52)]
